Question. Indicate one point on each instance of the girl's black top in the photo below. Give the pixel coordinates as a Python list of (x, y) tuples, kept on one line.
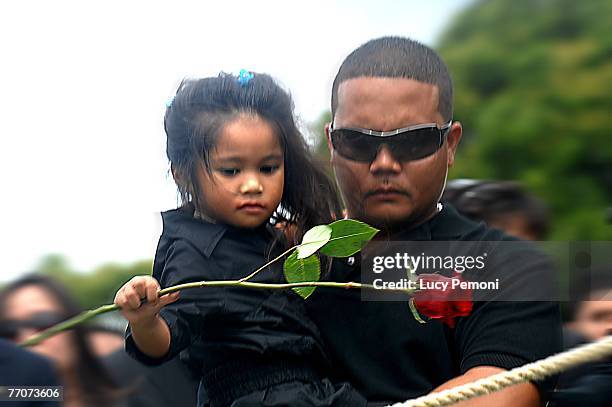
[(221, 324)]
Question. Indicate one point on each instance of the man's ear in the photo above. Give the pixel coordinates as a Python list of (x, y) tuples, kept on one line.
[(452, 140), (328, 137)]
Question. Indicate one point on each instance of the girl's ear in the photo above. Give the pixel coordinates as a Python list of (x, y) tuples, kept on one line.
[(185, 187), (179, 178)]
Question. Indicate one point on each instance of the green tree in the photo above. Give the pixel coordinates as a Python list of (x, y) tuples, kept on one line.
[(319, 148), (96, 287), (532, 89)]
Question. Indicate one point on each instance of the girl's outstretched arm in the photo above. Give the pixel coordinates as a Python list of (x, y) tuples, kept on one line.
[(150, 332)]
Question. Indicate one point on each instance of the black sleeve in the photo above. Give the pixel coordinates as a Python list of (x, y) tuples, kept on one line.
[(510, 329), (185, 317), (508, 334)]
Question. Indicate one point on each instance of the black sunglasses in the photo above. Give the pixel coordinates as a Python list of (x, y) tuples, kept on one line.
[(9, 328), (406, 144)]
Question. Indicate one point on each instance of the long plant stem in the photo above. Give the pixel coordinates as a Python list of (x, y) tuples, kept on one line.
[(87, 315), (280, 256)]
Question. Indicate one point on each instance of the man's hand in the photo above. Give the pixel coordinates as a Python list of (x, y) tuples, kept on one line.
[(520, 395)]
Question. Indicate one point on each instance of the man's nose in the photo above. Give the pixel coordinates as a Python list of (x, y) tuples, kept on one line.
[(385, 162), (251, 185)]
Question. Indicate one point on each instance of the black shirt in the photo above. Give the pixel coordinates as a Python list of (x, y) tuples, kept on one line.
[(220, 324), (388, 356)]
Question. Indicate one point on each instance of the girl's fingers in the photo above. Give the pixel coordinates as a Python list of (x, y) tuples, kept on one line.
[(132, 297), (120, 299), (152, 293), (168, 298)]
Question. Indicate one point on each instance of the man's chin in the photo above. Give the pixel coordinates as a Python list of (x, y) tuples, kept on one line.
[(392, 221), (387, 219)]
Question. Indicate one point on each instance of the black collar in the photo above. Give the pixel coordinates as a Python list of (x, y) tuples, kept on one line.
[(180, 223), (447, 224)]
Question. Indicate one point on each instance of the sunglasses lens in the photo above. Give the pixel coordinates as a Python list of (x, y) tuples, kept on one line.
[(415, 144), (43, 320), (10, 329), (354, 145), (406, 146)]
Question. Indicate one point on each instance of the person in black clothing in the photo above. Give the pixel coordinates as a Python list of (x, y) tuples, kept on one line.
[(507, 206), (589, 318), (392, 140), (19, 367), (235, 154)]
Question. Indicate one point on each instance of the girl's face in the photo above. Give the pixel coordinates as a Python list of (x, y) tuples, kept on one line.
[(34, 303), (247, 174)]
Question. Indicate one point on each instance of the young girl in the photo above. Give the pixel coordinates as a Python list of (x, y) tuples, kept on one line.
[(236, 155)]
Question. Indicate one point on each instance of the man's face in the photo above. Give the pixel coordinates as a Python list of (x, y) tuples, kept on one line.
[(386, 192)]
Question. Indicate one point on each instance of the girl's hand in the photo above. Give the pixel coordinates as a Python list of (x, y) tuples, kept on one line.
[(129, 298)]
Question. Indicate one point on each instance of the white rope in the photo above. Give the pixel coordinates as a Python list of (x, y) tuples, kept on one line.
[(531, 371)]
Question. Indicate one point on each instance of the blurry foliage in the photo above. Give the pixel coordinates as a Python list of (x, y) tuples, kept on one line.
[(320, 149), (532, 89), (96, 287)]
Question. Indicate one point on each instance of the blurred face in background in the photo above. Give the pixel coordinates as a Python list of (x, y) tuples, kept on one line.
[(32, 307), (514, 224), (594, 318)]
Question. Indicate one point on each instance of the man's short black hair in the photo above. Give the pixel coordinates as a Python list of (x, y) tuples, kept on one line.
[(397, 57)]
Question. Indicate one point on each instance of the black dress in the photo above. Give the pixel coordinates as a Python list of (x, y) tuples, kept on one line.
[(253, 347)]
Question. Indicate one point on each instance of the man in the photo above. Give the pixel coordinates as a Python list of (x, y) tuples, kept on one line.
[(394, 182)]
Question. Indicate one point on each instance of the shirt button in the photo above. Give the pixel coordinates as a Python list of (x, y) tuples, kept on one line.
[(350, 261)]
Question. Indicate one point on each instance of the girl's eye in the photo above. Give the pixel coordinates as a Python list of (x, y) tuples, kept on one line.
[(229, 172), (269, 169)]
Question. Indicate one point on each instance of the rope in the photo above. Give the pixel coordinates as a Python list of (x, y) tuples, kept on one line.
[(529, 372)]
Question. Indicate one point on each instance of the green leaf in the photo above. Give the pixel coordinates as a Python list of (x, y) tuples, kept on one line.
[(313, 240), (348, 237), (300, 270)]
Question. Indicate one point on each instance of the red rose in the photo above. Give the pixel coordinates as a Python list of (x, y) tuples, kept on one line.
[(439, 298)]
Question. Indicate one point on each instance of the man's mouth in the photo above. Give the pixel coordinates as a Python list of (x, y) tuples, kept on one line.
[(386, 193)]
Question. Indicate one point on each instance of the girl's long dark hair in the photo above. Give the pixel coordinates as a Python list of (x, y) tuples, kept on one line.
[(198, 113), (97, 386)]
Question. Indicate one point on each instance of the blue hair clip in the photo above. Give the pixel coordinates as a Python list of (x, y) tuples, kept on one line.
[(169, 102), (244, 77)]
